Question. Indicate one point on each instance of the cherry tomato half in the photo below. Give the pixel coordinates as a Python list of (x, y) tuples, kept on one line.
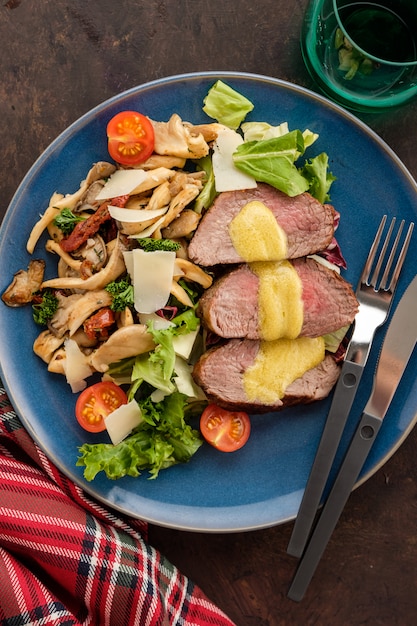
[(225, 430), (130, 137), (96, 402)]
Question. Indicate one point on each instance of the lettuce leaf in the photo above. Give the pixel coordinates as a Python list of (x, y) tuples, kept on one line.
[(155, 367), (272, 161), (163, 439), (320, 179), (206, 196), (226, 105), (333, 340), (187, 321), (257, 131)]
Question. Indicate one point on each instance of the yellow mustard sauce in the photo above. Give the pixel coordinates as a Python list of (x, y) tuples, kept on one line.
[(277, 364), (256, 235), (279, 300)]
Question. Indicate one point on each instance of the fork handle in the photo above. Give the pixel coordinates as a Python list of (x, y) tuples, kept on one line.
[(340, 408), (353, 462)]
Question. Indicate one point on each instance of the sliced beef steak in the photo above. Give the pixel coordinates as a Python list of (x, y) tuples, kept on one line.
[(220, 370), (230, 307), (308, 224)]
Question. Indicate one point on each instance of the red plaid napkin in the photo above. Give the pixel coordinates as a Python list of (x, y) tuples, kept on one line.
[(65, 559)]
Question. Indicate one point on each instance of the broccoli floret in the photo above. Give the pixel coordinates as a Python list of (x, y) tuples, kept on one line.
[(66, 221), (150, 245), (122, 293), (44, 310)]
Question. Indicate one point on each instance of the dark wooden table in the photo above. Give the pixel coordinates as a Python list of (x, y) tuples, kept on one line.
[(58, 59)]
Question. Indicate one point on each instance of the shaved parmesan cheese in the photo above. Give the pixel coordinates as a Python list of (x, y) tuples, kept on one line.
[(121, 183), (75, 366), (122, 421), (135, 215), (152, 279), (183, 344), (226, 175)]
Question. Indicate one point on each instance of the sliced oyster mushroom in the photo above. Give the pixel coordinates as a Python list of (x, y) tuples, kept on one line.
[(153, 179), (93, 251), (181, 226), (25, 283), (57, 363), (177, 204), (53, 246), (177, 139), (114, 268), (209, 131), (180, 294), (57, 202), (46, 344), (125, 342), (83, 341), (73, 310), (89, 199), (193, 272), (125, 318), (50, 214), (158, 160)]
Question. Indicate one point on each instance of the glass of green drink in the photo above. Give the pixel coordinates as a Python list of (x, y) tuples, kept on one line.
[(362, 54)]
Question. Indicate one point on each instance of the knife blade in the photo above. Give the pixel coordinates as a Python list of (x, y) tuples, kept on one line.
[(398, 345)]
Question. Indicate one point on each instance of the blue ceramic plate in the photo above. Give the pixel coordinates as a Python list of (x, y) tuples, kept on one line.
[(260, 485)]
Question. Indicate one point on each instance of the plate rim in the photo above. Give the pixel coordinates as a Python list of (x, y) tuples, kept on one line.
[(79, 123)]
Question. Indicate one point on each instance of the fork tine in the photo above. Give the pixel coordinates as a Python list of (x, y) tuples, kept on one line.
[(384, 279), (377, 269), (395, 275), (372, 252), (385, 283)]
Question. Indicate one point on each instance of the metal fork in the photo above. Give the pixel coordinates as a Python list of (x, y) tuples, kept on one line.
[(374, 293)]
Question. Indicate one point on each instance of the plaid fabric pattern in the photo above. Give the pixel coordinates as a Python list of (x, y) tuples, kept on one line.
[(67, 560)]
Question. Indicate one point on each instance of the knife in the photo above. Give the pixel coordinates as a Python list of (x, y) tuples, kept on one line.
[(396, 350)]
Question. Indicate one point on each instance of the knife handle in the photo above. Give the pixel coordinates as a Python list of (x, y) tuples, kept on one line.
[(343, 397), (353, 462)]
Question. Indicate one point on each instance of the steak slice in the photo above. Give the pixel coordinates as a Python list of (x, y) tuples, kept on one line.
[(308, 224), (230, 306), (219, 372)]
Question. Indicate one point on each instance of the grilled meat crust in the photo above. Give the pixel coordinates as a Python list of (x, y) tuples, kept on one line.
[(308, 224)]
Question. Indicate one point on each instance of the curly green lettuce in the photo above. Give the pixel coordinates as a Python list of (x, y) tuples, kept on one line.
[(163, 439)]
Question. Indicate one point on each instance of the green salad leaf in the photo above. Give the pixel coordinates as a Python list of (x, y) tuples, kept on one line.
[(272, 161), (320, 179), (333, 340), (206, 196), (226, 105), (163, 439), (257, 131), (156, 367), (185, 322)]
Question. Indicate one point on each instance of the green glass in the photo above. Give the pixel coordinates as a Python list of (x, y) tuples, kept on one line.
[(362, 54)]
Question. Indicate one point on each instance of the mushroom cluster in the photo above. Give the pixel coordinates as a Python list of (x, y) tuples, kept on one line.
[(160, 206)]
